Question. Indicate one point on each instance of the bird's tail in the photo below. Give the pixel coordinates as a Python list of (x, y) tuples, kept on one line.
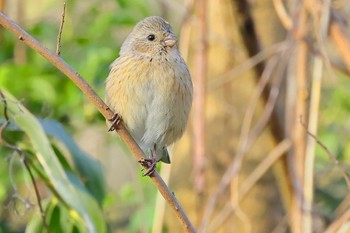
[(165, 158)]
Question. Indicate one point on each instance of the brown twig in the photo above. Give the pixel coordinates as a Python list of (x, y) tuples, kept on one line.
[(263, 167), (248, 183), (247, 137), (250, 63), (74, 76), (38, 198), (58, 47), (282, 14), (336, 224), (336, 30), (20, 152), (329, 153), (251, 42)]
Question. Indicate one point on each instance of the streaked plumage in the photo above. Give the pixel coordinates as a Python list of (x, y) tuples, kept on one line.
[(150, 86)]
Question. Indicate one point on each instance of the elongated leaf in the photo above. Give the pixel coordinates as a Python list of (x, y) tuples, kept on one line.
[(89, 168), (80, 201)]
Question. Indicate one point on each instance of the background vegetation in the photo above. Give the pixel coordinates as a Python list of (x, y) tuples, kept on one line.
[(277, 177)]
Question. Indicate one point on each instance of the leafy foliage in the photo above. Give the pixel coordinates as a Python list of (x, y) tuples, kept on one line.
[(78, 198), (65, 185)]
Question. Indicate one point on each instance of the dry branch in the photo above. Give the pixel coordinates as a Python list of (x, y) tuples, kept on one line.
[(299, 75), (74, 76), (250, 39), (247, 137), (250, 181), (334, 227), (59, 36)]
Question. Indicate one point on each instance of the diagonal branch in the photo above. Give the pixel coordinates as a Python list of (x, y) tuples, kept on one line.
[(252, 44), (75, 77)]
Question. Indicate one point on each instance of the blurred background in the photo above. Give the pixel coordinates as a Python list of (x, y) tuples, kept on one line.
[(266, 148)]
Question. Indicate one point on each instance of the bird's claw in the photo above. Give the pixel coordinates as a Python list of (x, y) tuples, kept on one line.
[(150, 164), (115, 120)]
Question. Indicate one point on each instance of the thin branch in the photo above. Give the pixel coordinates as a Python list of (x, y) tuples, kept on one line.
[(251, 180), (25, 201), (282, 14), (58, 52), (86, 89), (247, 138), (342, 207), (246, 23), (336, 224), (251, 41), (336, 30), (329, 153), (38, 198), (261, 56), (263, 167)]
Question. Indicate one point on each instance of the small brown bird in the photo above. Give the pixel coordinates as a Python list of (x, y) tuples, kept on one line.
[(149, 87)]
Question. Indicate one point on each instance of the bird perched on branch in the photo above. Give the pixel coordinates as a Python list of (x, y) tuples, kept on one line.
[(149, 88)]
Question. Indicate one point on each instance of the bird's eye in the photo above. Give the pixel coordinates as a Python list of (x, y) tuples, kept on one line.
[(151, 37)]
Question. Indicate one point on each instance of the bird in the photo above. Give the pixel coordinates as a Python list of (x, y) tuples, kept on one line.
[(149, 88)]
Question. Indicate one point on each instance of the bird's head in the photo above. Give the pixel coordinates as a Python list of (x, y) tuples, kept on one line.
[(152, 36)]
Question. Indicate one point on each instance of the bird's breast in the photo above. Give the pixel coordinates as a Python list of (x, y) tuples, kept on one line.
[(153, 97)]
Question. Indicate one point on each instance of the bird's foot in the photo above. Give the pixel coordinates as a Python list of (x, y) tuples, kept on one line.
[(115, 120), (150, 164)]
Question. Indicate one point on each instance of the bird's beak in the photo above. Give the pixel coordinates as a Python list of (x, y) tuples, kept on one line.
[(170, 40)]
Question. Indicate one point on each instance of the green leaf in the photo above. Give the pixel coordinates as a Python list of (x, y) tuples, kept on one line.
[(54, 223), (35, 225), (89, 168), (86, 207)]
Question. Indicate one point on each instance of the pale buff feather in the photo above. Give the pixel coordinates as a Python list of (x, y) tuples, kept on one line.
[(150, 87)]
